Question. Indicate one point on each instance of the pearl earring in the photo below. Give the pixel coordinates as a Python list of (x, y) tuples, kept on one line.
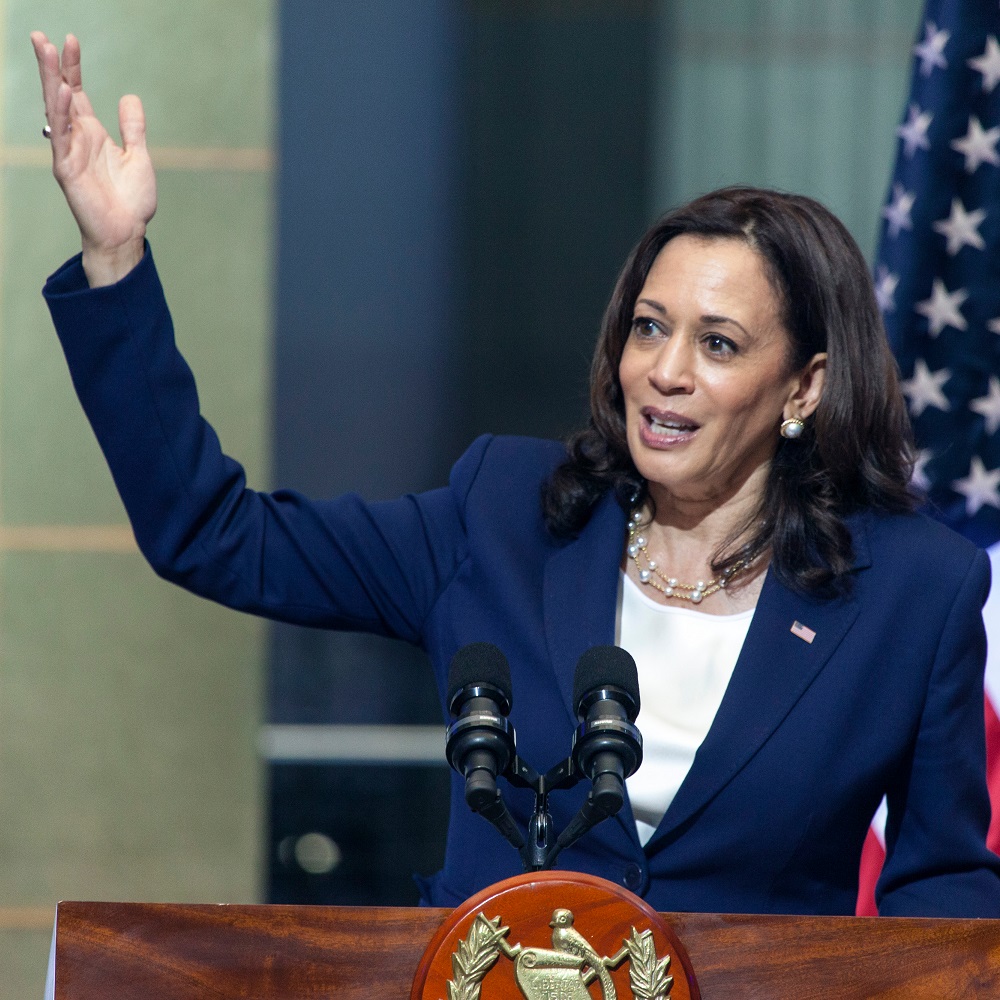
[(792, 428)]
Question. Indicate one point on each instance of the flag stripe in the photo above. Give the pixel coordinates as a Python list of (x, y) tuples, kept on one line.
[(872, 856), (993, 772)]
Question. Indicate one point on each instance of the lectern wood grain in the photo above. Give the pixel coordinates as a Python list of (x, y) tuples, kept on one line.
[(133, 951)]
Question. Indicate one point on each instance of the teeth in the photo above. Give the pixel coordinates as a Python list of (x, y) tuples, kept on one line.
[(669, 426)]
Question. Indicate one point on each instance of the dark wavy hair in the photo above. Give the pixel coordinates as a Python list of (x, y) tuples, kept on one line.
[(856, 451)]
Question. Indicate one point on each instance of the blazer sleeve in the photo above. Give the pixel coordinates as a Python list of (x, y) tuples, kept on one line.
[(341, 563), (937, 863)]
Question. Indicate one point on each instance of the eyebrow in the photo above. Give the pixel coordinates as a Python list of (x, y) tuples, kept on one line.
[(652, 305), (656, 307), (724, 319)]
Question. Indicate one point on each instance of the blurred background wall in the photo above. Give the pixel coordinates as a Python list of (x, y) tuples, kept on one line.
[(459, 183), (384, 228)]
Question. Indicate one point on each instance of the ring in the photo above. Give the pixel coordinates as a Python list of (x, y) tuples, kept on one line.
[(47, 132)]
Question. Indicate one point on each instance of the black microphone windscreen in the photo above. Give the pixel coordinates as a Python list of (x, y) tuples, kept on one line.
[(479, 663), (604, 666)]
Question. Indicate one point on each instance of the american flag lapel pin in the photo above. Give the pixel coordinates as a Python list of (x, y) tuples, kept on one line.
[(805, 633)]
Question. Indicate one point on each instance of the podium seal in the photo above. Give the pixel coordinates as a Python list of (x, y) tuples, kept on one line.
[(555, 936)]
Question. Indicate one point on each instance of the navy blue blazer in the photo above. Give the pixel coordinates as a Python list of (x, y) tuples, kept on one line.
[(886, 700)]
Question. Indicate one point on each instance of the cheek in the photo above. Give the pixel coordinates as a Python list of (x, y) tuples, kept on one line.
[(754, 397), (627, 376)]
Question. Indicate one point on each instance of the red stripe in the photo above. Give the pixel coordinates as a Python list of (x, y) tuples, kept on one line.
[(872, 856), (993, 773)]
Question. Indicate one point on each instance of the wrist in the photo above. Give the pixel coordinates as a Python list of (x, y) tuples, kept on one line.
[(108, 265)]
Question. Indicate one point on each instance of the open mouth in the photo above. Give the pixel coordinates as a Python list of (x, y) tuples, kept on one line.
[(667, 426)]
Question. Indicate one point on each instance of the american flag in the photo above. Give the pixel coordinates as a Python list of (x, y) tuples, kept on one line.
[(937, 278), (805, 633)]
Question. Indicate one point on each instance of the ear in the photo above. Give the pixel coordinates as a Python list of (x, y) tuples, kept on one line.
[(807, 389)]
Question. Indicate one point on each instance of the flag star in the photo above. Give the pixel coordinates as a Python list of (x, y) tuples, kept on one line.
[(978, 146), (924, 389), (914, 132), (885, 289), (919, 478), (898, 211), (988, 64), (930, 51), (942, 308), (989, 405), (979, 487), (961, 227), (993, 325)]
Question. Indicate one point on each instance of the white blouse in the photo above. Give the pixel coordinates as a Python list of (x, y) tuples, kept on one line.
[(685, 660)]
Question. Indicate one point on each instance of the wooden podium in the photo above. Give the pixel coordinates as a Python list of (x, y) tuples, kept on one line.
[(139, 951)]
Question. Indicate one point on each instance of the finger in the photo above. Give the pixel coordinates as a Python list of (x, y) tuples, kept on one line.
[(132, 123), (59, 121), (39, 41), (48, 68), (72, 73)]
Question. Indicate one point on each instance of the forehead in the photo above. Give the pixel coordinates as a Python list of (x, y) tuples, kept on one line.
[(713, 261)]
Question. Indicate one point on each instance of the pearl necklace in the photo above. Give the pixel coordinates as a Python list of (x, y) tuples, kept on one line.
[(652, 576)]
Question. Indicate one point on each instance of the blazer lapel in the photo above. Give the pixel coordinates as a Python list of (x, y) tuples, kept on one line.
[(580, 593), (774, 669), (581, 602)]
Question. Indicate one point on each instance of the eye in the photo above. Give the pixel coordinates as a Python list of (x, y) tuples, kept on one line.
[(718, 345), (644, 327)]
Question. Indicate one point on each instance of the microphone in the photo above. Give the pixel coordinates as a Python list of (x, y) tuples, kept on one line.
[(480, 741), (607, 746)]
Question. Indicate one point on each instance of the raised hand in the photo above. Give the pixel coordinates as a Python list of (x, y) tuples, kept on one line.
[(111, 189)]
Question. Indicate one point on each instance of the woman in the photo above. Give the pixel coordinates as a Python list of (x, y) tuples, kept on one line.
[(736, 515)]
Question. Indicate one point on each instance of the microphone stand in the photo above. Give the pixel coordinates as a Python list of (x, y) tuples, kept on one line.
[(536, 850), (481, 745), (542, 847)]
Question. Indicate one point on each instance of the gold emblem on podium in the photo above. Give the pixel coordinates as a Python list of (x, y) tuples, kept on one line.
[(562, 972), (575, 937)]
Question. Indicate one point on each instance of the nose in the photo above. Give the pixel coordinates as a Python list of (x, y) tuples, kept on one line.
[(672, 369)]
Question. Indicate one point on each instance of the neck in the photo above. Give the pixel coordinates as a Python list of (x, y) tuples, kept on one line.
[(672, 553), (702, 524)]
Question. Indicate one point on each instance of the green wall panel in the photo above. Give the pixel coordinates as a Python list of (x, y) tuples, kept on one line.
[(211, 242), (203, 69), (129, 709), (128, 718), (802, 95), (23, 957), (51, 470)]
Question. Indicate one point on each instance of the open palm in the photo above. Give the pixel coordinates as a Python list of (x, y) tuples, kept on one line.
[(111, 189)]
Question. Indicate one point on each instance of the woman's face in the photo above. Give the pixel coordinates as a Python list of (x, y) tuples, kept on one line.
[(705, 373)]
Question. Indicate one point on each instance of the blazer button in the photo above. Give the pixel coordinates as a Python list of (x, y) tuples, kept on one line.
[(633, 877)]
